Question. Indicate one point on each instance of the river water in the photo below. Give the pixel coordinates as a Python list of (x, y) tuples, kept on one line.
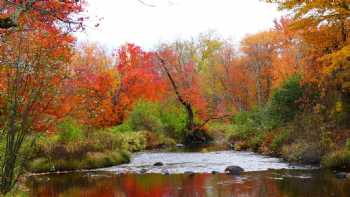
[(190, 175)]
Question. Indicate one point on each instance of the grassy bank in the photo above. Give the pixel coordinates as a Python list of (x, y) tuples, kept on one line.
[(74, 147)]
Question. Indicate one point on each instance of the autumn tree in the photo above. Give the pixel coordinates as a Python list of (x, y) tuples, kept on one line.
[(324, 29), (138, 77), (91, 85), (325, 25), (183, 83), (191, 68), (34, 54), (41, 12), (290, 51), (259, 50), (235, 80)]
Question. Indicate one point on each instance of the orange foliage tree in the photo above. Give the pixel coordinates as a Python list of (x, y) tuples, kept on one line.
[(259, 50), (34, 55), (91, 86), (138, 76)]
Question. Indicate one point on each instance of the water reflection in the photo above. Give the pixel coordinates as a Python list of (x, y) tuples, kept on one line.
[(273, 183)]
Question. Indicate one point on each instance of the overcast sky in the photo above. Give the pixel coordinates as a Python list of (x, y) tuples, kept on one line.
[(130, 21)]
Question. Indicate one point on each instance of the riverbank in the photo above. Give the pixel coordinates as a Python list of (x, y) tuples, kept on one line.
[(329, 150), (77, 148), (74, 147), (264, 176)]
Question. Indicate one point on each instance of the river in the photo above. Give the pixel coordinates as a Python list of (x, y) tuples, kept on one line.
[(193, 174)]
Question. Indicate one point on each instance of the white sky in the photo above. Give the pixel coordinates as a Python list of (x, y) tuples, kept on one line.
[(130, 21)]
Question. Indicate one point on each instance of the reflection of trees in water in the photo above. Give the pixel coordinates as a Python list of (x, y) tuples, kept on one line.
[(258, 184), (73, 185), (321, 184)]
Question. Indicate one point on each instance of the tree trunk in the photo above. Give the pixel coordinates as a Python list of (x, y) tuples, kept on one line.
[(190, 115), (190, 118)]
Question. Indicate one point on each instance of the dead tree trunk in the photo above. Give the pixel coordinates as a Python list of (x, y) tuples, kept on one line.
[(188, 107)]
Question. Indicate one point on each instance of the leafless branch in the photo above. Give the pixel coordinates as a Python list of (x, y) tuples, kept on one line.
[(146, 4), (211, 119)]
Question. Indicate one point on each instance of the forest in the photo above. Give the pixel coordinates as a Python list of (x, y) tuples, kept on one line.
[(68, 105)]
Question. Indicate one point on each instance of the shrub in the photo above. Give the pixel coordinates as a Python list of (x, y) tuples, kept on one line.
[(132, 141), (259, 119), (104, 159), (70, 130), (255, 141), (327, 144), (347, 145), (339, 160), (125, 127), (174, 121), (40, 165), (303, 152), (280, 139), (155, 140), (284, 101), (220, 131), (150, 116), (97, 148), (145, 115), (246, 123)]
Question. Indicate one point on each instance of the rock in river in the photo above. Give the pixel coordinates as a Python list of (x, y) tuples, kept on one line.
[(214, 172), (143, 171), (179, 145), (234, 170), (158, 164)]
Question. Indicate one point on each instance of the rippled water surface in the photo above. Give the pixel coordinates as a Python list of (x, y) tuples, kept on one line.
[(200, 162), (264, 176)]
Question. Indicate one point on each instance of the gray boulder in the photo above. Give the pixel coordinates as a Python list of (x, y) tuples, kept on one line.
[(234, 170)]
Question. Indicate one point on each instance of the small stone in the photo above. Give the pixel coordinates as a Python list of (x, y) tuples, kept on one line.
[(143, 171), (158, 164)]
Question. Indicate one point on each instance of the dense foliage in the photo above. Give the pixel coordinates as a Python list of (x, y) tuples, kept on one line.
[(66, 106)]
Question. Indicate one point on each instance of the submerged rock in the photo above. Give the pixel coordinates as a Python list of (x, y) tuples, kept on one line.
[(234, 170), (190, 173), (158, 164), (166, 172), (143, 171)]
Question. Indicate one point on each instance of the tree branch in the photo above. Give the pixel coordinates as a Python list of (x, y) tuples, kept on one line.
[(171, 79), (211, 119), (146, 4)]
